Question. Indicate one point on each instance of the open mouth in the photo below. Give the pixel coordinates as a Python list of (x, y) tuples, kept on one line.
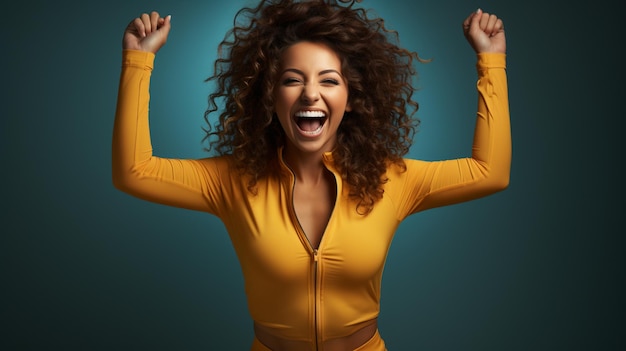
[(310, 122)]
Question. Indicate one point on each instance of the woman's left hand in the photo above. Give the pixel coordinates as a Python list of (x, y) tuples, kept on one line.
[(485, 32)]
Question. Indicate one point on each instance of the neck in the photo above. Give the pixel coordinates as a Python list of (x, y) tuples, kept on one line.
[(307, 167)]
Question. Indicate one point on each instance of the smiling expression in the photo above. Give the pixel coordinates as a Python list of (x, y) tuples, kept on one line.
[(311, 97)]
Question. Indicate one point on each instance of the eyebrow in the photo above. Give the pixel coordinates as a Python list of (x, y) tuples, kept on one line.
[(321, 73)]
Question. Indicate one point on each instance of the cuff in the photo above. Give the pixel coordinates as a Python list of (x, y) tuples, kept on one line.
[(491, 60), (136, 58)]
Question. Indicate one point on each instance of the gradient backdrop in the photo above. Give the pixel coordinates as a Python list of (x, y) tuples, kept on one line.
[(539, 266)]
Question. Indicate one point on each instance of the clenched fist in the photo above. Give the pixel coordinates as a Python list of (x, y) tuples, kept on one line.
[(485, 32), (147, 32)]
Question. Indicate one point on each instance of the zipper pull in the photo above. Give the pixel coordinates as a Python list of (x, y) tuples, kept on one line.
[(315, 255)]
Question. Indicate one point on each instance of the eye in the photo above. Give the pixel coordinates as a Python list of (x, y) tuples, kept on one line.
[(291, 81), (330, 81)]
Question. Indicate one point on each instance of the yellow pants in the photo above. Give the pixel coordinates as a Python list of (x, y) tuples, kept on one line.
[(376, 343)]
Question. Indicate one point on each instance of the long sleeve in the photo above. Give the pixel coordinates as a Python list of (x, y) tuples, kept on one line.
[(192, 184), (492, 138), (429, 184)]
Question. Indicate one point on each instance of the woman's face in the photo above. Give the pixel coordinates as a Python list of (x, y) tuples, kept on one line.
[(311, 97)]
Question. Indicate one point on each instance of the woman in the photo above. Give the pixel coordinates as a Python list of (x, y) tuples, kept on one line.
[(311, 180)]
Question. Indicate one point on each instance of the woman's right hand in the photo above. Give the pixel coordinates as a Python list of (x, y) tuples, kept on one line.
[(147, 32)]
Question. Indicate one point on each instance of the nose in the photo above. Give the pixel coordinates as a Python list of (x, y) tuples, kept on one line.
[(310, 93)]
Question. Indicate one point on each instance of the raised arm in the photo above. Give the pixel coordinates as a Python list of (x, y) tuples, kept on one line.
[(440, 183), (180, 183), (491, 151)]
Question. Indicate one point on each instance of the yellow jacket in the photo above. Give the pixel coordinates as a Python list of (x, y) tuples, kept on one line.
[(302, 293)]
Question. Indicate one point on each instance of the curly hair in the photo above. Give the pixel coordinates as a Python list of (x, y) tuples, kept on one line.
[(376, 133)]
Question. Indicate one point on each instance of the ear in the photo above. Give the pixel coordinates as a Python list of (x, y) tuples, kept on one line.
[(348, 107)]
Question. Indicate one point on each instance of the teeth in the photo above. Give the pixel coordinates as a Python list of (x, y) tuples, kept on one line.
[(310, 114)]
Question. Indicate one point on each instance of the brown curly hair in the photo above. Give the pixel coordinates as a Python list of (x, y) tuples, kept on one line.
[(376, 133)]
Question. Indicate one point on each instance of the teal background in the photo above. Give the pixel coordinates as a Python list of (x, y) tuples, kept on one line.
[(539, 266)]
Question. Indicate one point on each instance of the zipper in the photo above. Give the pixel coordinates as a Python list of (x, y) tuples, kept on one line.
[(315, 311), (314, 253)]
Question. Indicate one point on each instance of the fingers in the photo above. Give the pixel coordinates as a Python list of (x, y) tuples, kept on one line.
[(137, 27), (476, 18), (154, 20), (487, 23), (472, 21), (484, 32), (148, 23), (490, 24), (148, 32)]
